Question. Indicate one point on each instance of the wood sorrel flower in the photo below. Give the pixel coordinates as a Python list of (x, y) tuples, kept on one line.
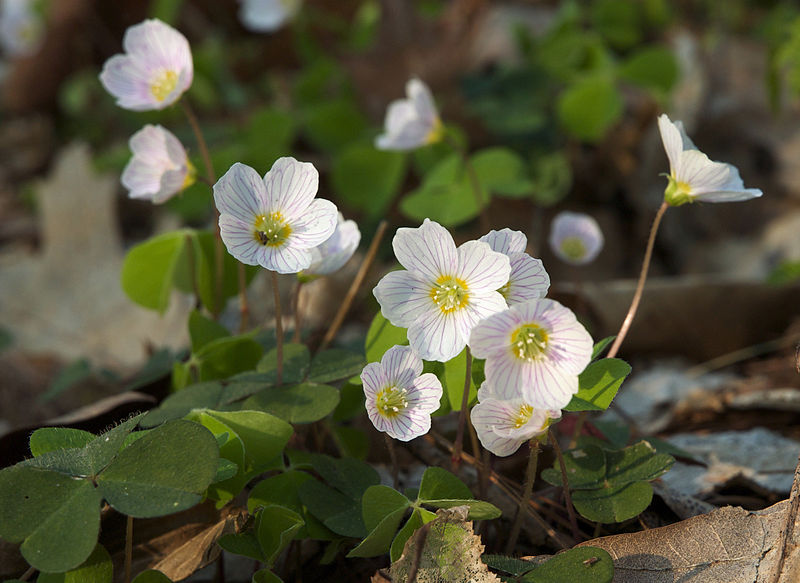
[(693, 176), (412, 122), (21, 27), (528, 279), (505, 424), (444, 292), (399, 398), (274, 222), (159, 168), (332, 254), (156, 69), (267, 15), (534, 351), (575, 237)]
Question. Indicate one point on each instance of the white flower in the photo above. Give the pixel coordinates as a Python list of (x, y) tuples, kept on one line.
[(445, 291), (331, 255), (21, 27), (267, 15), (505, 424), (159, 168), (156, 70), (528, 279), (575, 237), (274, 222), (412, 122), (534, 351), (693, 176), (399, 398)]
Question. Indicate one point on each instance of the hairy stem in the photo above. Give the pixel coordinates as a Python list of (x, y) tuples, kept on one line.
[(530, 478), (128, 548)]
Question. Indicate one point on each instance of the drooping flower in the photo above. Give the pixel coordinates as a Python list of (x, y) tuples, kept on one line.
[(693, 176), (576, 237), (21, 27), (399, 398), (444, 291), (159, 168), (505, 424), (155, 71), (275, 221), (332, 254), (411, 122), (267, 15), (528, 279), (534, 351)]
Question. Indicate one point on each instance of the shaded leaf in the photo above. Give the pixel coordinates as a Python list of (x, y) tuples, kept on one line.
[(48, 439), (598, 385), (580, 565), (303, 403), (95, 569)]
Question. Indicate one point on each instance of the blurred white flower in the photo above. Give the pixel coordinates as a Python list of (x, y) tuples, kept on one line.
[(159, 168), (528, 279), (267, 15), (273, 222), (412, 122), (693, 176), (155, 71), (21, 27), (331, 255), (399, 398), (575, 237)]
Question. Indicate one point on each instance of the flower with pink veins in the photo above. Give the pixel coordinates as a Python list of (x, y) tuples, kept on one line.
[(528, 279), (159, 168)]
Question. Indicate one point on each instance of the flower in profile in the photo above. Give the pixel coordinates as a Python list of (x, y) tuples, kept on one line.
[(332, 254), (412, 122), (156, 69), (575, 237), (693, 176), (267, 15), (159, 168), (444, 291), (275, 221), (534, 351), (21, 27), (399, 398), (505, 424), (528, 279)]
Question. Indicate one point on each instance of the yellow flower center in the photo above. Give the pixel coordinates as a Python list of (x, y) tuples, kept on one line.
[(574, 248), (391, 401), (271, 230), (678, 192), (523, 416), (436, 133), (529, 342), (163, 84), (191, 175), (449, 293)]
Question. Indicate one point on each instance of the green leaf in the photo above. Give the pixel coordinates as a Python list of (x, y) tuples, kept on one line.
[(204, 248), (590, 107), (224, 357), (439, 484), (367, 179), (380, 538), (331, 125), (95, 569), (200, 396), (419, 517), (165, 471), (613, 504), (551, 176), (265, 576), (351, 402), (149, 269), (636, 462), (586, 468), (56, 517), (335, 364), (598, 385), (787, 271), (509, 565), (600, 346), (75, 372), (231, 471), (381, 336), (501, 171), (337, 512), (348, 475), (226, 469), (296, 361), (264, 435), (203, 330), (619, 21), (275, 528), (303, 403), (151, 576), (653, 68), (478, 509), (276, 125), (378, 502), (243, 543), (578, 565), (455, 371), (351, 441), (48, 439)]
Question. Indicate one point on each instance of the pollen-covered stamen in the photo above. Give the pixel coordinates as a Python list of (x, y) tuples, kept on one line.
[(529, 342), (449, 293), (523, 416), (163, 84), (271, 230), (574, 248), (391, 401)]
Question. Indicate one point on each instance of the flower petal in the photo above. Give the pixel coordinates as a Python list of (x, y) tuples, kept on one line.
[(241, 193), (402, 366), (528, 279), (437, 335), (506, 241), (238, 238), (673, 143), (403, 298), (481, 268), (428, 250), (315, 226), (290, 187)]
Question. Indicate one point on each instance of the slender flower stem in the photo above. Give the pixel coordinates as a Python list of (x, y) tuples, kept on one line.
[(637, 296), (573, 520), (128, 548), (530, 478), (393, 458), (462, 415), (357, 281), (28, 574), (190, 253), (244, 307), (298, 288), (278, 327), (473, 180)]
